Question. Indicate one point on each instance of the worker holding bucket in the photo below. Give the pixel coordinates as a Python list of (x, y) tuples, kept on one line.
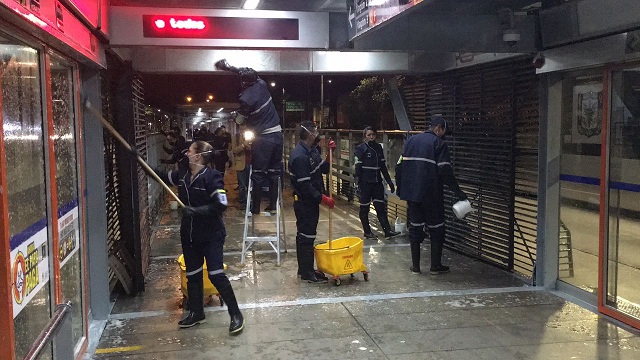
[(421, 172), (306, 168)]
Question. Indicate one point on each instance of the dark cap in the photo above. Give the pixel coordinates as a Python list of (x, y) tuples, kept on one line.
[(439, 120)]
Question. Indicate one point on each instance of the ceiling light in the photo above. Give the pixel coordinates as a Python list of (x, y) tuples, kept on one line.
[(250, 4), (220, 109)]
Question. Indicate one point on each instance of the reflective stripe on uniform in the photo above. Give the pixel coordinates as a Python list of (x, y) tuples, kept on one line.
[(378, 200), (399, 160), (261, 107), (419, 159), (444, 163), (367, 204), (307, 236), (194, 271), (215, 272), (435, 226), (417, 224), (317, 167), (371, 168), (304, 179), (218, 191), (270, 130), (170, 180)]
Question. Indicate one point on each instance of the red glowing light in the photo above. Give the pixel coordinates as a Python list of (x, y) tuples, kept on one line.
[(180, 24)]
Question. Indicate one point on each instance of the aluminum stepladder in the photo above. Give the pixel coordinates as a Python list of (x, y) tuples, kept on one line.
[(273, 240)]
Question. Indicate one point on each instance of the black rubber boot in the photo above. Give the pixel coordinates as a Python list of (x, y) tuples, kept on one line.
[(364, 220), (298, 255), (256, 199), (273, 196), (307, 258), (437, 244), (195, 293), (415, 258), (237, 320)]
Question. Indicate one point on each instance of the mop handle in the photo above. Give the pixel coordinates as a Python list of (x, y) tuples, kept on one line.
[(330, 186), (124, 143)]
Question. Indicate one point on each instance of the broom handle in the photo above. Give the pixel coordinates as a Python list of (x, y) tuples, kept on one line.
[(330, 187), (124, 143)]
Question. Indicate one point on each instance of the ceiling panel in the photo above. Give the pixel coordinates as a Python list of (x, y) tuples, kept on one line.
[(282, 5)]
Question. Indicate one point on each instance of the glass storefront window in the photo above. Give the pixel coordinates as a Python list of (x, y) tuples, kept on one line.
[(20, 83), (64, 127), (623, 242), (581, 134)]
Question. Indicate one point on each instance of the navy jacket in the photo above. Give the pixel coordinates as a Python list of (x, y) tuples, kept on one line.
[(424, 168), (305, 170), (206, 193), (370, 163), (257, 106)]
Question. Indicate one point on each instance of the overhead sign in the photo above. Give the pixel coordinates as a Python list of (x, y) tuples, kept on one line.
[(294, 106), (367, 14), (217, 27)]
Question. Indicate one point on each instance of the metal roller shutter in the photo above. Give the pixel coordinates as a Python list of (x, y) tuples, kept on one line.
[(492, 111)]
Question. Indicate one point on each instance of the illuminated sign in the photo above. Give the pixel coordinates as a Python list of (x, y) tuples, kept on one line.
[(187, 24), (216, 27)]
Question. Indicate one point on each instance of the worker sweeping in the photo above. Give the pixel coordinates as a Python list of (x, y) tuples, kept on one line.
[(370, 163), (259, 113), (306, 168)]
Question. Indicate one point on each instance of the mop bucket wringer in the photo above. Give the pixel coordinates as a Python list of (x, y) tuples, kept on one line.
[(209, 290), (341, 256)]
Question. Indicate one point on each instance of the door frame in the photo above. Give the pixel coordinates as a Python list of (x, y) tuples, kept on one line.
[(603, 253)]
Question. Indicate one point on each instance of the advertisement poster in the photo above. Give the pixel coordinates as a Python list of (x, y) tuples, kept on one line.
[(69, 235), (587, 114), (29, 269)]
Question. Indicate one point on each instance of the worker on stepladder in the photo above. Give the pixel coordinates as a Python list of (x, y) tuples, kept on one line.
[(202, 233), (256, 106), (370, 163), (422, 170), (306, 168)]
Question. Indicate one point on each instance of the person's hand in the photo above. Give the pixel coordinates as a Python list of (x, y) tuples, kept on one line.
[(331, 144), (187, 211), (329, 202), (392, 187)]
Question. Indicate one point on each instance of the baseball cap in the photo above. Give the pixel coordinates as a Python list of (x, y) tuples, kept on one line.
[(439, 120)]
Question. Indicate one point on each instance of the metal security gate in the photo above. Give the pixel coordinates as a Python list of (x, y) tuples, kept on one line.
[(492, 110), (128, 213)]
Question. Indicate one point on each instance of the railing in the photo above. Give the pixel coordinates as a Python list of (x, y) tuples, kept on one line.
[(52, 328), (392, 142)]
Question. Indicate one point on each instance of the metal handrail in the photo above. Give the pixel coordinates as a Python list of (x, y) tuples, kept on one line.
[(61, 312)]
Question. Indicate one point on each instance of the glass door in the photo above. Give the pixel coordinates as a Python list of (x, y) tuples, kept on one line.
[(621, 225), (63, 87), (24, 147)]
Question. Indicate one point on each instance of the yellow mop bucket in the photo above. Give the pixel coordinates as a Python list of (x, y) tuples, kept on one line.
[(341, 256), (209, 289)]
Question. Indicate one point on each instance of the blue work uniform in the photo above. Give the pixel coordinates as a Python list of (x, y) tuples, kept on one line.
[(257, 106), (203, 234), (370, 165), (305, 170), (421, 172)]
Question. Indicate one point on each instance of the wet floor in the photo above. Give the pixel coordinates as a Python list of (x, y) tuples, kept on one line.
[(475, 312)]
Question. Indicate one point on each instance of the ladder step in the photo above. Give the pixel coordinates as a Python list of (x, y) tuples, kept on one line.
[(262, 238)]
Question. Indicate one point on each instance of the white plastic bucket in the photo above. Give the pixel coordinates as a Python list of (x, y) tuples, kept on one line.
[(462, 208), (400, 226), (173, 205)]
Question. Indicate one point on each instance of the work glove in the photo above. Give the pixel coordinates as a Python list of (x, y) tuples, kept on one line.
[(329, 202), (392, 187), (133, 152), (331, 144), (193, 211), (461, 195), (222, 64)]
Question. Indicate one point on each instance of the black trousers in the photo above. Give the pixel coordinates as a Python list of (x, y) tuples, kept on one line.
[(373, 192), (307, 216), (195, 253), (429, 214), (266, 167)]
